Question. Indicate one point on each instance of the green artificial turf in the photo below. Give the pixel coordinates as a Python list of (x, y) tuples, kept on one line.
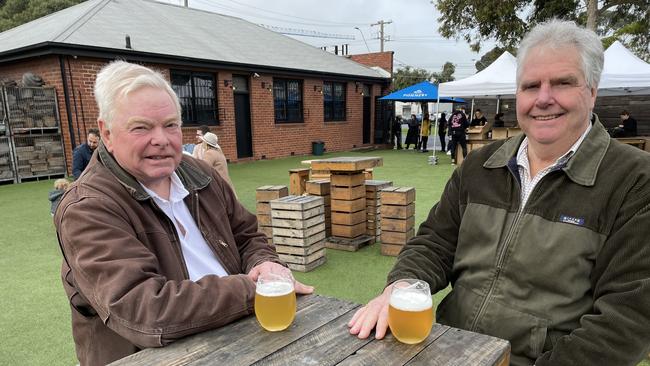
[(35, 317)]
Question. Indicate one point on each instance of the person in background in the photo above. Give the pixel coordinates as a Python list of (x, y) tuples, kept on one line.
[(397, 132), (442, 131), (413, 133), (561, 268), (60, 186), (425, 131), (214, 156), (155, 245), (199, 148), (627, 128), (457, 125), (82, 153), (498, 121), (479, 119)]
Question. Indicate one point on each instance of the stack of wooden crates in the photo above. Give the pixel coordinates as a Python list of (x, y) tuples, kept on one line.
[(373, 206), (299, 231), (263, 196), (321, 188), (348, 194), (397, 218)]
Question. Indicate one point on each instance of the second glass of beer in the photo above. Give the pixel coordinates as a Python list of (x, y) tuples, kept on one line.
[(275, 301), (410, 313)]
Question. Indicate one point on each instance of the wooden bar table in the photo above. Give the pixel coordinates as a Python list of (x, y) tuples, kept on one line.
[(319, 336)]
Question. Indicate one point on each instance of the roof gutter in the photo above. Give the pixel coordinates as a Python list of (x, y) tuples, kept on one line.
[(66, 96)]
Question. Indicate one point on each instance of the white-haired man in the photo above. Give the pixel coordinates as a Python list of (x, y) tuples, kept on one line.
[(155, 244), (543, 237)]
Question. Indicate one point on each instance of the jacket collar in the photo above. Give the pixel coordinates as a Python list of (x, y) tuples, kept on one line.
[(581, 168), (192, 178)]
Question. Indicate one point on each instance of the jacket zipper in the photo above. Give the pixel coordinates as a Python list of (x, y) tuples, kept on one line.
[(499, 263), (221, 258)]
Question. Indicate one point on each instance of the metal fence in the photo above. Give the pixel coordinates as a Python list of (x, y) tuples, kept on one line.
[(33, 146)]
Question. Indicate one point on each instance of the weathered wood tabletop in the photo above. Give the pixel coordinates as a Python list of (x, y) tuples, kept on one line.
[(319, 336), (347, 163)]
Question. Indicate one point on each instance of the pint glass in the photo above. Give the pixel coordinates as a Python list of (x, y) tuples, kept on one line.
[(410, 313), (275, 301)]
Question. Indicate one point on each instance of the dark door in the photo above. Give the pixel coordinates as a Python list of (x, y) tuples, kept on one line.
[(366, 118), (243, 118)]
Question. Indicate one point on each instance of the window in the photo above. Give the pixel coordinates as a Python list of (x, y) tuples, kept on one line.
[(287, 100), (334, 101), (196, 93)]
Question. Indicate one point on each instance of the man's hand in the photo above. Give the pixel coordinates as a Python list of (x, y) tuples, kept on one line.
[(272, 267), (373, 315)]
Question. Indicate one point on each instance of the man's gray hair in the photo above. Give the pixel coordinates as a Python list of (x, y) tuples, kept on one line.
[(559, 34), (119, 78)]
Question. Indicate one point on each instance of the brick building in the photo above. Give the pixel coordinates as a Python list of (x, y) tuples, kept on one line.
[(264, 94)]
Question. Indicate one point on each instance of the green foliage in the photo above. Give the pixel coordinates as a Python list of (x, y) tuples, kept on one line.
[(408, 76), (492, 55), (16, 12), (447, 73), (507, 21)]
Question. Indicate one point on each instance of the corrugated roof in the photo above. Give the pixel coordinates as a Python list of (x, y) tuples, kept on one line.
[(166, 29)]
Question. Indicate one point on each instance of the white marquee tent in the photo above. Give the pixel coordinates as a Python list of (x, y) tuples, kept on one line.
[(623, 73), (498, 79)]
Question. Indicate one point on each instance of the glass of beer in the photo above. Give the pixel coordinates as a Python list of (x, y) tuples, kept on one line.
[(275, 301), (410, 313)]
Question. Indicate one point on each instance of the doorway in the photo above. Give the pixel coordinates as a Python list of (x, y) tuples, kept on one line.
[(243, 130), (367, 102)]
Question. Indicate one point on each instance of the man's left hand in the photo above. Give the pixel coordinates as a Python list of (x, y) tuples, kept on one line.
[(272, 267)]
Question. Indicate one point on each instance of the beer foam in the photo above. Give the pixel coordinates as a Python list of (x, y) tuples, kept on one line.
[(274, 288), (410, 301)]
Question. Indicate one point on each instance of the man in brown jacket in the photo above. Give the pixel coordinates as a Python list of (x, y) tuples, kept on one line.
[(156, 247)]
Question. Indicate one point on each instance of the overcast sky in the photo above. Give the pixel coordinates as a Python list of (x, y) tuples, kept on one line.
[(413, 31)]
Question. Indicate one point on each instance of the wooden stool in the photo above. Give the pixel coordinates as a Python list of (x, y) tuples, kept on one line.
[(297, 180)]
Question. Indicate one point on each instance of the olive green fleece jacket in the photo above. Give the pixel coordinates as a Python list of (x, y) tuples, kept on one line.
[(566, 279)]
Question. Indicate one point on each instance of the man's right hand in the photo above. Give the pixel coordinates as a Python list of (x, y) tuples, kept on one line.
[(373, 315)]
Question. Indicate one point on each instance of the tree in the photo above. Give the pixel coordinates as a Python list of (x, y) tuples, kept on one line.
[(447, 73), (16, 12), (490, 56), (409, 76), (507, 21)]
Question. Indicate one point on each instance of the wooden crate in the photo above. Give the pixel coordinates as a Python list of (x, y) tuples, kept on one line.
[(377, 185), (401, 225), (264, 219), (390, 249), (279, 222), (347, 180), (267, 230), (397, 211), (302, 259), (297, 180), (348, 218), (263, 208), (296, 203), (348, 193), (299, 242), (296, 250), (349, 206), (320, 187), (307, 267), (395, 237), (398, 195), (349, 231), (299, 233), (346, 163), (268, 193)]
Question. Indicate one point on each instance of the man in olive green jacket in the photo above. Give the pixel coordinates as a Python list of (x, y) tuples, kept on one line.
[(543, 237)]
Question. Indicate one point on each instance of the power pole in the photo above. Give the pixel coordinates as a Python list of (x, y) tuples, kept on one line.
[(381, 24)]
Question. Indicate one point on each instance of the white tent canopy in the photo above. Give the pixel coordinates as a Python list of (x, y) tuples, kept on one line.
[(623, 73), (498, 79)]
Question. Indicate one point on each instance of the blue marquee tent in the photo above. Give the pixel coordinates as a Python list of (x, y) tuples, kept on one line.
[(420, 92)]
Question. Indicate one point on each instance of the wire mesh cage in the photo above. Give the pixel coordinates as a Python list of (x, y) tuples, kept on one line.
[(39, 155), (6, 163), (31, 108)]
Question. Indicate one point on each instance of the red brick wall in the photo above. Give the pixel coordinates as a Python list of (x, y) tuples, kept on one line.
[(381, 59), (270, 140)]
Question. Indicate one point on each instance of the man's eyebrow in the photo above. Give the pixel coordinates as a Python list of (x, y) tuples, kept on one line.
[(138, 120), (572, 79)]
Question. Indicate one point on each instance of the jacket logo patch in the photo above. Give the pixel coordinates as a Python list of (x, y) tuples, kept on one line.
[(572, 220)]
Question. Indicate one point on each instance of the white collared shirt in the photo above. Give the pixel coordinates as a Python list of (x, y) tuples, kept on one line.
[(199, 258), (528, 183)]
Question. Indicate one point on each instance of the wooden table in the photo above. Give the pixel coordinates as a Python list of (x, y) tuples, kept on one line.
[(319, 336)]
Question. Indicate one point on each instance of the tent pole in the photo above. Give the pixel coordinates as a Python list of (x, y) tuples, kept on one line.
[(433, 160), (471, 113), (498, 102)]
